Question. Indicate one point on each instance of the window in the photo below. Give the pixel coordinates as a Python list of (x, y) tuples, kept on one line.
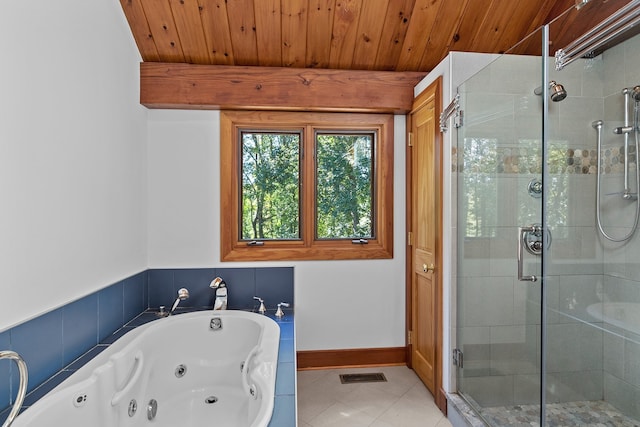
[(306, 186)]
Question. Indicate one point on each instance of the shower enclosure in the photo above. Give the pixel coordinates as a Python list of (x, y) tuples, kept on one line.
[(548, 259)]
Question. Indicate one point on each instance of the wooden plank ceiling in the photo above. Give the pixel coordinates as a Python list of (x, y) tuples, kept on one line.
[(382, 35)]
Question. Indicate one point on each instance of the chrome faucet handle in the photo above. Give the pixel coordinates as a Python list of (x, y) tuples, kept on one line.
[(262, 309), (279, 312)]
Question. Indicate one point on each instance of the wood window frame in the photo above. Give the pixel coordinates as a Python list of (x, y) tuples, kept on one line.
[(307, 248)]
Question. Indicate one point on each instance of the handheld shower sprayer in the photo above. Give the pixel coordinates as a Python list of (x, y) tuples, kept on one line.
[(629, 193), (183, 294)]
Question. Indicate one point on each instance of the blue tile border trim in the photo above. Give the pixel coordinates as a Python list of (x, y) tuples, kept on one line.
[(76, 332)]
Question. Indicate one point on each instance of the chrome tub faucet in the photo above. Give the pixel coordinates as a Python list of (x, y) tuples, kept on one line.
[(220, 302)]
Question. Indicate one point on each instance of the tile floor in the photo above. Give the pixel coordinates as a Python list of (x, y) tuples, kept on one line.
[(402, 401)]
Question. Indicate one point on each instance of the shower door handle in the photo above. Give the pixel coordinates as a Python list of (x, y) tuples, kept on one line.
[(523, 233)]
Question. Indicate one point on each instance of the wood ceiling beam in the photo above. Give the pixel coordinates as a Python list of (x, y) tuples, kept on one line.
[(210, 87)]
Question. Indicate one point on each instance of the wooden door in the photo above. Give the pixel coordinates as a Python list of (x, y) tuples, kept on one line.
[(425, 234)]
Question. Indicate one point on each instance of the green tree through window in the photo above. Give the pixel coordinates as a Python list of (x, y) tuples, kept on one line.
[(344, 186), (270, 185)]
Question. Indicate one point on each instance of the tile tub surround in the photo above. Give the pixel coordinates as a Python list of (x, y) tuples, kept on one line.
[(51, 343), (273, 284)]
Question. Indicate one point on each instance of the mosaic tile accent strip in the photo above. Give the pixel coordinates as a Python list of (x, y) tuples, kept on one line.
[(511, 160), (583, 414)]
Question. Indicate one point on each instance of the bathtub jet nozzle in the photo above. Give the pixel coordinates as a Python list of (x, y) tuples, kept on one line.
[(183, 294)]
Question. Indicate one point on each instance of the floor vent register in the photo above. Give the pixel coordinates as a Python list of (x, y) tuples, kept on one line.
[(362, 378)]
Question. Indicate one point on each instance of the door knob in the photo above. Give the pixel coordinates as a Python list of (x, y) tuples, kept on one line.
[(428, 268)]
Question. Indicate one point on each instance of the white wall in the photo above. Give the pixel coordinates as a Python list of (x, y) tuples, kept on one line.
[(339, 304), (72, 154)]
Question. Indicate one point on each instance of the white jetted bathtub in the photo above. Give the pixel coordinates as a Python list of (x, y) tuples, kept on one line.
[(207, 368)]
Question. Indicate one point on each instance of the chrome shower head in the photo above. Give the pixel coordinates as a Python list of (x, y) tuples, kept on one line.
[(557, 92)]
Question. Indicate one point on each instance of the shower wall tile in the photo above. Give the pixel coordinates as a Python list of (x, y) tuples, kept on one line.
[(514, 70), (614, 72), (632, 262), (613, 115), (592, 77), (491, 390), (514, 350), (616, 213), (473, 335), (574, 386), (580, 188), (622, 395), (500, 265), (562, 347), (474, 265), (552, 298), (632, 363), (574, 347), (574, 250), (526, 307), (632, 61), (576, 293), (614, 361), (591, 349), (526, 389), (580, 112), (619, 289), (489, 292)]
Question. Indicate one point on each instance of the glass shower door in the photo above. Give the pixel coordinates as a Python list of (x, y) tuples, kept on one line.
[(499, 187), (592, 274)]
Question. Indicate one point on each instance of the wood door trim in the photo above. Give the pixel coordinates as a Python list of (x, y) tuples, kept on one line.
[(432, 92)]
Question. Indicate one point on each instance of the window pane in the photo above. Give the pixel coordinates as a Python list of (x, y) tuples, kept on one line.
[(270, 191), (344, 186)]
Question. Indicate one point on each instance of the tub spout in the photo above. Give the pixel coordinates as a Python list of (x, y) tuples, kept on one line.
[(183, 294), (220, 302)]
